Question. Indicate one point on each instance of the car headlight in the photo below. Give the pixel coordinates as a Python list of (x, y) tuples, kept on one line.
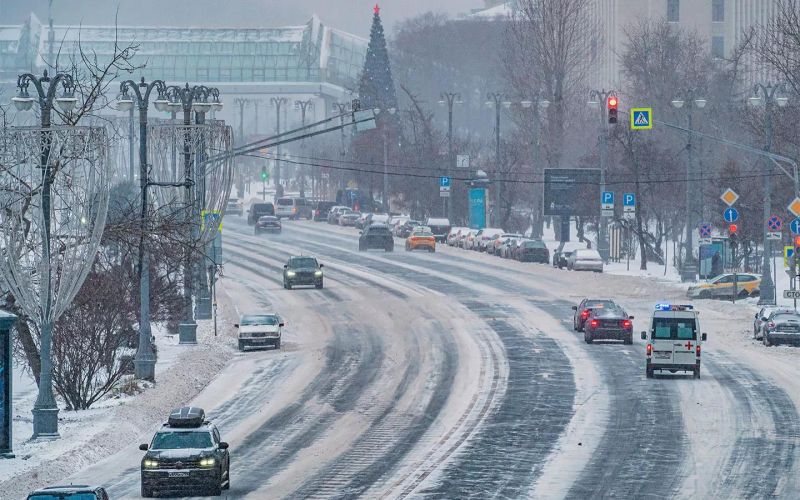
[(290, 273), (150, 464), (207, 462), (317, 273)]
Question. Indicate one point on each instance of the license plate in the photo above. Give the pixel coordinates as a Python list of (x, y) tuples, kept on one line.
[(663, 354), (178, 474)]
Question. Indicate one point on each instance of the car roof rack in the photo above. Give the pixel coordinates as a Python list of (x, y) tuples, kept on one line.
[(187, 416)]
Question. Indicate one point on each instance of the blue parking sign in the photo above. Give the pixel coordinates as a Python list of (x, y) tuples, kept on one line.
[(444, 181), (629, 200), (607, 198)]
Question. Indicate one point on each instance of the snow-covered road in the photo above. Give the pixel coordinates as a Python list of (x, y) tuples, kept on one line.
[(456, 374)]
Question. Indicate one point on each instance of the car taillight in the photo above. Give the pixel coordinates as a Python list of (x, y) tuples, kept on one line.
[(626, 323), (649, 349), (697, 350), (595, 323), (771, 326), (584, 314), (294, 209)]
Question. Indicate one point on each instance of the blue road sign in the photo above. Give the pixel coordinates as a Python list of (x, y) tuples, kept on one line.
[(795, 226), (607, 198), (705, 230), (641, 118), (731, 215), (629, 200), (444, 181)]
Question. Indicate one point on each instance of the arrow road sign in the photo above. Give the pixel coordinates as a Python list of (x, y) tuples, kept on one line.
[(795, 226), (705, 230), (731, 215), (774, 223), (462, 161)]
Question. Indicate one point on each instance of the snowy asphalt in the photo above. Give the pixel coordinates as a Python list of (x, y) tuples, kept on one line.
[(454, 375)]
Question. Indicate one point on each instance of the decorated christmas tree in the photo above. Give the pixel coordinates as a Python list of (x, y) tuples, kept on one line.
[(376, 89)]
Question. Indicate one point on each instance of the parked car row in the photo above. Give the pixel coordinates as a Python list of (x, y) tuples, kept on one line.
[(497, 242)]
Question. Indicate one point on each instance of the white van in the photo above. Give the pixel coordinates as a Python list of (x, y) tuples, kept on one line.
[(673, 341), (293, 208)]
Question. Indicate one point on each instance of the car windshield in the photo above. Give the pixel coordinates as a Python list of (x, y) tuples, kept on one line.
[(285, 202), (598, 304), (534, 244), (301, 262), (181, 440), (422, 233), (267, 319), (674, 328), (786, 317), (373, 230)]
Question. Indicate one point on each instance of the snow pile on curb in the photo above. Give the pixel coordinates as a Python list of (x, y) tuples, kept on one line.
[(91, 435)]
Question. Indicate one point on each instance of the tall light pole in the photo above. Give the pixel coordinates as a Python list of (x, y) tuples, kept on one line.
[(277, 102), (689, 102), (497, 99), (768, 95), (541, 105), (342, 108), (145, 360), (598, 100), (303, 106), (385, 135), (45, 410), (450, 98), (187, 98)]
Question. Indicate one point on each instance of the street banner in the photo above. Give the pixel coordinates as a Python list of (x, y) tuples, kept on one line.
[(477, 208), (572, 191)]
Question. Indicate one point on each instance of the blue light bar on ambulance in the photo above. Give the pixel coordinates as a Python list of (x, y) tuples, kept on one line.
[(674, 307)]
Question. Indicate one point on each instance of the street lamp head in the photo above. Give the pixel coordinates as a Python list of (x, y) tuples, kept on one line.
[(377, 111), (442, 102), (489, 104), (506, 104), (526, 104), (217, 105), (161, 103), (458, 100), (392, 110), (67, 100), (22, 101), (755, 101), (700, 103), (594, 104), (201, 106), (677, 103), (544, 104), (782, 101), (124, 102)]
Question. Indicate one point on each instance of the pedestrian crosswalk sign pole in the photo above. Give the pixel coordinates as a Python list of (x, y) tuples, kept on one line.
[(641, 118)]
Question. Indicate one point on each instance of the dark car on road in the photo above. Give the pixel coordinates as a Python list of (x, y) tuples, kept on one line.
[(71, 492), (608, 323), (376, 236), (186, 457), (268, 224), (322, 209), (439, 227), (258, 210), (302, 271), (405, 229), (584, 309), (782, 328), (532, 251), (561, 259)]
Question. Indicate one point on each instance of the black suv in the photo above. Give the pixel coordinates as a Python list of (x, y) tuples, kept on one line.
[(71, 492), (186, 457), (376, 236), (302, 271), (257, 210), (322, 210)]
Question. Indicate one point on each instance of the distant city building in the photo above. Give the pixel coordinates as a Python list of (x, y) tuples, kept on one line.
[(721, 23), (311, 61)]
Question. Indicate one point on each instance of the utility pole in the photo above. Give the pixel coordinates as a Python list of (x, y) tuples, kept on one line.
[(450, 98), (602, 97), (277, 102), (768, 97), (342, 108), (303, 106), (496, 99)]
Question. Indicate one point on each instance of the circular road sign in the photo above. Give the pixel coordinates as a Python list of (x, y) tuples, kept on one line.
[(731, 215), (705, 230), (774, 223)]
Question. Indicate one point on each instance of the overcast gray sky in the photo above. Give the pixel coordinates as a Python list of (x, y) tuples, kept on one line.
[(354, 16)]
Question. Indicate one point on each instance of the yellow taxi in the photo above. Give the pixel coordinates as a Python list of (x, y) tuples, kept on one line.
[(421, 238), (725, 286)]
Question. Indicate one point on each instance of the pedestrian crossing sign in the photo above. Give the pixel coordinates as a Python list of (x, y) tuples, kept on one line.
[(641, 118)]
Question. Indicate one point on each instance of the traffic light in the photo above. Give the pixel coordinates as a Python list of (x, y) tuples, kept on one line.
[(796, 244), (732, 229), (613, 104), (733, 236), (264, 174)]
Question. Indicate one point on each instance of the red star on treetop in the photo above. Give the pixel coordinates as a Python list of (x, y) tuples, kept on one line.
[(377, 10)]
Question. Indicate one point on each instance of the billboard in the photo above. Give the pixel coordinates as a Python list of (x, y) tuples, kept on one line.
[(477, 208), (572, 191)]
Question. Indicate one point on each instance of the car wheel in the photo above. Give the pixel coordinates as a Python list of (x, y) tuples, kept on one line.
[(705, 294), (629, 339), (408, 249), (278, 344), (319, 285), (241, 346), (766, 340), (147, 492), (228, 472), (433, 249), (361, 249), (588, 338), (389, 249), (744, 294), (216, 490), (288, 285)]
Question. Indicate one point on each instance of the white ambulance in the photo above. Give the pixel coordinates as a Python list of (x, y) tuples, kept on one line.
[(673, 341)]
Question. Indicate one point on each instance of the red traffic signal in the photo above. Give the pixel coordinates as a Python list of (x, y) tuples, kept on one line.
[(797, 241), (612, 104), (732, 229)]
